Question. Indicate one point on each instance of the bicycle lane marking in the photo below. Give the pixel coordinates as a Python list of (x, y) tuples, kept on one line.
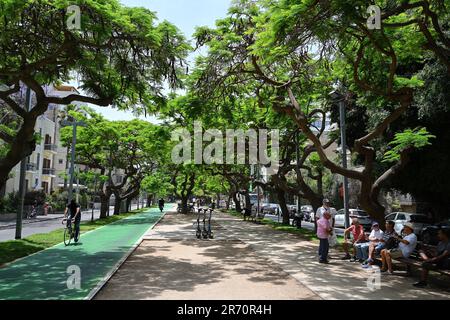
[(44, 274)]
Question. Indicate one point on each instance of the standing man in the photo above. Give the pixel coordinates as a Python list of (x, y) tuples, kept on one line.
[(326, 208), (73, 214)]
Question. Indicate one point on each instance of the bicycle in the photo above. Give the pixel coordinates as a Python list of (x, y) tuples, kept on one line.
[(69, 232), (32, 213)]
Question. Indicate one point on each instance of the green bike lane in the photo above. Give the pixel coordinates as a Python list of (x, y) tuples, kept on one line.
[(45, 275)]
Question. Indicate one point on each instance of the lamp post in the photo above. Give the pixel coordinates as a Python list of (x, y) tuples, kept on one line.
[(338, 97), (22, 187), (74, 125), (297, 156)]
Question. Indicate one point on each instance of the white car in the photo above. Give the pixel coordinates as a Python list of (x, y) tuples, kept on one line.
[(362, 216), (418, 220)]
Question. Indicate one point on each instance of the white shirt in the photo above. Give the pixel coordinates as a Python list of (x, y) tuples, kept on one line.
[(376, 234), (322, 210), (407, 249)]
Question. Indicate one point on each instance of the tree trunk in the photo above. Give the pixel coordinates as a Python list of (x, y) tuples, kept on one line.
[(368, 201), (184, 205), (23, 146), (281, 195), (117, 204), (129, 200), (149, 200), (237, 202), (248, 203), (104, 207)]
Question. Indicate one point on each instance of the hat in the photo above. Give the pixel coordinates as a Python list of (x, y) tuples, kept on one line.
[(375, 224), (409, 225)]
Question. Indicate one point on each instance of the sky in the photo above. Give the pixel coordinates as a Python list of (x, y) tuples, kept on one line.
[(186, 15)]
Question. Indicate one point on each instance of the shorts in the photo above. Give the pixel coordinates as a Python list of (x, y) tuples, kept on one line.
[(395, 253)]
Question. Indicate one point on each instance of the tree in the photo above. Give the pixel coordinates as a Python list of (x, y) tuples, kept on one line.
[(297, 51), (120, 56)]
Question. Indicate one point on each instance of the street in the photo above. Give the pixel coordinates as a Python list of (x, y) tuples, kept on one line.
[(29, 229)]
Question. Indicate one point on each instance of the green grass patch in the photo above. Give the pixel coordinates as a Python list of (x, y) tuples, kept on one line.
[(15, 249)]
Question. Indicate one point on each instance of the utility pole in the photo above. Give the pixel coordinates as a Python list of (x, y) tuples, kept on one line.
[(339, 97), (74, 125), (23, 169), (297, 155)]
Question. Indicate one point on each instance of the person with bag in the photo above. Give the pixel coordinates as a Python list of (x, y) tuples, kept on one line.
[(324, 230), (435, 260), (406, 246)]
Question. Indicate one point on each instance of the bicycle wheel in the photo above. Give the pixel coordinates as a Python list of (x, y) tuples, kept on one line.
[(67, 235)]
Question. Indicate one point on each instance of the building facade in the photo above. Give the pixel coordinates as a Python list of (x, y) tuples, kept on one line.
[(47, 165)]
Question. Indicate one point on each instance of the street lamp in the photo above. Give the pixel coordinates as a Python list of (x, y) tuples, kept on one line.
[(22, 187), (338, 97), (74, 125)]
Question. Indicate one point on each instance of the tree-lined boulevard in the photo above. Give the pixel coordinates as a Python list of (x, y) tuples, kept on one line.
[(342, 109)]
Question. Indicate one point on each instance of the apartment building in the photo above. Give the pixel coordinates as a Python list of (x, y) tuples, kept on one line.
[(47, 165)]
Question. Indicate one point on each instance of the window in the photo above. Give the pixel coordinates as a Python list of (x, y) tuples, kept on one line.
[(61, 161), (38, 161), (391, 217), (401, 216)]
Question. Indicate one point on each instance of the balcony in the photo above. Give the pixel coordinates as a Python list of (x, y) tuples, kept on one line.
[(51, 147), (48, 172), (32, 167)]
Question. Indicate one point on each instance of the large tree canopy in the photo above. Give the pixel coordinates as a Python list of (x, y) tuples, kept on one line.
[(120, 55)]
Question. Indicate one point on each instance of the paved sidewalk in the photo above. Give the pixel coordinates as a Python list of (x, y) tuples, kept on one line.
[(340, 280), (171, 264), (44, 275), (244, 261)]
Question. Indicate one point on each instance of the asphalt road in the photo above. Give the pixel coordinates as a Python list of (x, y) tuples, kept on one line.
[(29, 229)]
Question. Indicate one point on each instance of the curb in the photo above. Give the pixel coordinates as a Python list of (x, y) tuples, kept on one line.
[(117, 266)]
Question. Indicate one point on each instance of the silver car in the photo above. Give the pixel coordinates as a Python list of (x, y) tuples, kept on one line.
[(419, 221), (363, 218)]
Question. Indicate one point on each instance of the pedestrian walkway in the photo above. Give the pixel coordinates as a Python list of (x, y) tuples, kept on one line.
[(171, 264), (44, 275), (245, 261)]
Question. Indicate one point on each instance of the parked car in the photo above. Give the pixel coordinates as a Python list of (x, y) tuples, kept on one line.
[(308, 213), (418, 220), (363, 218), (271, 208), (292, 210), (429, 233)]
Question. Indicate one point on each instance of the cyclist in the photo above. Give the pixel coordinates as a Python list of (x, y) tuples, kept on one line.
[(73, 212), (161, 203)]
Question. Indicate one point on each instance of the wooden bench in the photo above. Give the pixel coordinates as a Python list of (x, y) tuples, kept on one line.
[(414, 260)]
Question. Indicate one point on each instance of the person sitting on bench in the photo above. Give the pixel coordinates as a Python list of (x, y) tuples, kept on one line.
[(406, 246), (439, 260), (357, 231)]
